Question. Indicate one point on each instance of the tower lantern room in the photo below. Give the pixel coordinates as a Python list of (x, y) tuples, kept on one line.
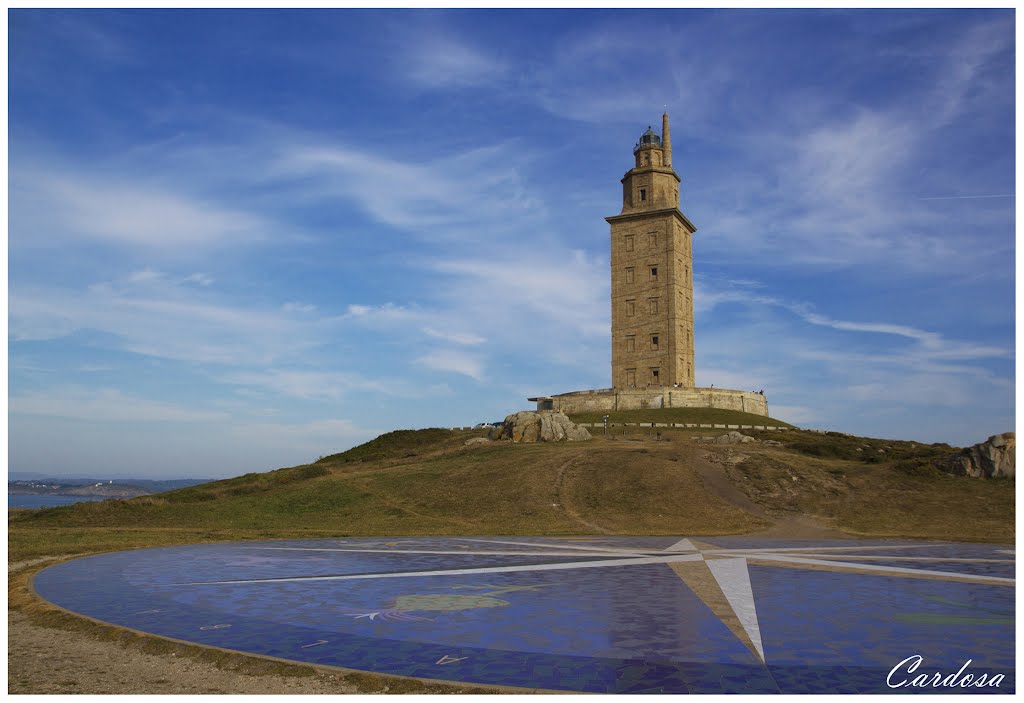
[(651, 183)]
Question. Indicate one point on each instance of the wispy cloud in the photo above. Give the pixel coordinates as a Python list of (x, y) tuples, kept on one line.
[(560, 288), (104, 405), (930, 345), (437, 196), (74, 204), (159, 318), (966, 75), (386, 312), (604, 73), (464, 338), (318, 384), (444, 62), (455, 361)]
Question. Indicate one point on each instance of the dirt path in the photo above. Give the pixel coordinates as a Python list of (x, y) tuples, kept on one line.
[(712, 473), (564, 498)]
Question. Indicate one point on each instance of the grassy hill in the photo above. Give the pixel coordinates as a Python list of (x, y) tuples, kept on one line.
[(429, 482)]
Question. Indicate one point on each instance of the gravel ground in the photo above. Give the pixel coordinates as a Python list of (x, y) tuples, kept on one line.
[(50, 660)]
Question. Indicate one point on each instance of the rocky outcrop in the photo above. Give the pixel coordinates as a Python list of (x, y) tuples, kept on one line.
[(733, 437), (476, 441), (993, 458), (539, 426)]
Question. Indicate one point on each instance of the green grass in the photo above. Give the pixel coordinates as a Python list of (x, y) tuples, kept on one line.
[(707, 416), (428, 482), (401, 444), (836, 445)]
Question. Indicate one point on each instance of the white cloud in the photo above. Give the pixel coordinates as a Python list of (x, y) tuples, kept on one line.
[(104, 405), (605, 74), (930, 345), (200, 279), (464, 338), (161, 319), (963, 79), (872, 378), (436, 198), (146, 275), (316, 384), (523, 292), (387, 312), (443, 62), (67, 203), (454, 360)]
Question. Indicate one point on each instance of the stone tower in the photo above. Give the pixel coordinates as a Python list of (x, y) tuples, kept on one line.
[(652, 273)]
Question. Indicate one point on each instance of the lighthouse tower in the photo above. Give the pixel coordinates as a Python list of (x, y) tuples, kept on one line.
[(652, 273), (652, 300)]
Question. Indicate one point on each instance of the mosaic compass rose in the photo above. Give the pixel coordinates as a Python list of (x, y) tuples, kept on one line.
[(601, 614), (719, 576)]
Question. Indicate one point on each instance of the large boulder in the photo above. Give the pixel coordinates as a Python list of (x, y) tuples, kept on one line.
[(539, 426), (733, 437), (993, 458)]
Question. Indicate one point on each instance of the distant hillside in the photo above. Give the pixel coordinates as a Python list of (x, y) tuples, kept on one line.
[(428, 482)]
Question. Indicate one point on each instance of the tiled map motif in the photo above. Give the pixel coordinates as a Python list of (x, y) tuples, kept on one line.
[(600, 614)]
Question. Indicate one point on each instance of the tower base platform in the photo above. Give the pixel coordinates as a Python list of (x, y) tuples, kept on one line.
[(610, 399)]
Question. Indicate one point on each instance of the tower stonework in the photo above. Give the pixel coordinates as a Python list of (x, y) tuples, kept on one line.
[(652, 273), (652, 300)]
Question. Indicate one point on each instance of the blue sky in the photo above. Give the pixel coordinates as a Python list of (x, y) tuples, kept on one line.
[(240, 240)]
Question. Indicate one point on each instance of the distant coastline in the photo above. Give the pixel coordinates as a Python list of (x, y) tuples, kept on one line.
[(50, 492), (34, 501)]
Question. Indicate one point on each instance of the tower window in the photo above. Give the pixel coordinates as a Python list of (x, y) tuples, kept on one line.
[(630, 308), (655, 373), (652, 305), (654, 342), (629, 242), (654, 273), (643, 194), (630, 378), (629, 274), (652, 240), (631, 343)]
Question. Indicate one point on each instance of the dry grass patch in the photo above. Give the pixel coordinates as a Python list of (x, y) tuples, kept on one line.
[(879, 499), (651, 490)]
